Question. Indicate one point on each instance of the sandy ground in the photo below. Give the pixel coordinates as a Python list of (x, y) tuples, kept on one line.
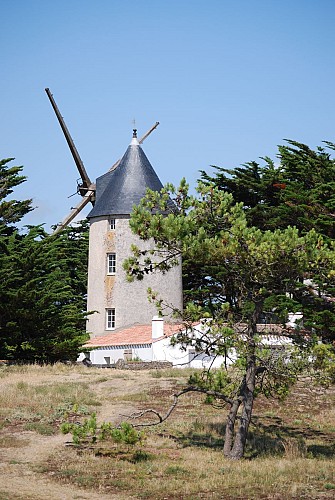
[(21, 461), (19, 480)]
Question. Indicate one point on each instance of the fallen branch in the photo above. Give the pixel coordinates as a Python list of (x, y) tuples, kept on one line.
[(162, 418)]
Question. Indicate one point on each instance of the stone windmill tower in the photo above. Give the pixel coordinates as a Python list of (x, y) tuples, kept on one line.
[(118, 303)]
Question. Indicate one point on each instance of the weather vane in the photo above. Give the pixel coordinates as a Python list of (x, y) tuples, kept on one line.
[(134, 128)]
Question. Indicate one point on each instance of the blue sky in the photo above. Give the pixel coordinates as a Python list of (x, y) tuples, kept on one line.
[(227, 80)]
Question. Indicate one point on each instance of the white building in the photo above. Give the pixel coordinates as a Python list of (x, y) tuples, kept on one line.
[(152, 342)]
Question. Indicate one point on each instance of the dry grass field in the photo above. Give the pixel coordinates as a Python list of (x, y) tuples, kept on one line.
[(290, 455)]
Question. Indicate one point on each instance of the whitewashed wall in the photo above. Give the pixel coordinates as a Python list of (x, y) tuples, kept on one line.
[(98, 356), (162, 350)]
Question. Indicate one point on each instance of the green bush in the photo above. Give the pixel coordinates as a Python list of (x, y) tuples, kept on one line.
[(90, 431)]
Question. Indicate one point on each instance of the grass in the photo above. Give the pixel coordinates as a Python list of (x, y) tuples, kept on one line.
[(10, 441), (13, 496), (290, 452), (138, 397), (43, 428), (38, 402), (192, 472), (174, 373), (24, 402)]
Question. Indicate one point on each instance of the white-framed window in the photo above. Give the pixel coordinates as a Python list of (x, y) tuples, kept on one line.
[(112, 224), (111, 263), (110, 319)]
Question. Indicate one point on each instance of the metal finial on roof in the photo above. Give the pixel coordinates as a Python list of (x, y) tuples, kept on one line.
[(134, 133)]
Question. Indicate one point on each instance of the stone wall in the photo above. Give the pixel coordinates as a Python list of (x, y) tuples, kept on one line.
[(138, 365)]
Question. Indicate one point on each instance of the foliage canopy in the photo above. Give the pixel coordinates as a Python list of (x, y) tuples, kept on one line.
[(296, 190), (299, 191)]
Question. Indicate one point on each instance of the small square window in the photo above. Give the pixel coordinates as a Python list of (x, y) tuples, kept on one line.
[(111, 263), (110, 319), (112, 224)]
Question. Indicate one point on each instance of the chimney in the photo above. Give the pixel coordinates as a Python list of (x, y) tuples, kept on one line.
[(157, 327), (294, 319)]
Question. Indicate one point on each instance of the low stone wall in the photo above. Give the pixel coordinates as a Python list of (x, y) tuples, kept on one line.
[(131, 365), (142, 365)]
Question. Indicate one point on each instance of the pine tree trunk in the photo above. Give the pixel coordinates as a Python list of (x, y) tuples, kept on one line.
[(230, 425), (238, 448), (234, 445)]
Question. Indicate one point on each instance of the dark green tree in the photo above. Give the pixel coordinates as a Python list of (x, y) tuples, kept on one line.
[(42, 310), (43, 284), (11, 210), (299, 191)]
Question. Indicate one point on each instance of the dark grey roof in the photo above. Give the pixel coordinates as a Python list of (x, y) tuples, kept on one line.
[(118, 191)]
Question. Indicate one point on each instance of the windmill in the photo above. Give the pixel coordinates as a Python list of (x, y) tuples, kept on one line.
[(86, 188), (116, 302)]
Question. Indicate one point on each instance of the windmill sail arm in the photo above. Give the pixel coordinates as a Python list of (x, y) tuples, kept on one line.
[(142, 139), (75, 211), (78, 161)]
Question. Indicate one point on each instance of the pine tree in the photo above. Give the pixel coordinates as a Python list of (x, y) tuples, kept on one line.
[(246, 269)]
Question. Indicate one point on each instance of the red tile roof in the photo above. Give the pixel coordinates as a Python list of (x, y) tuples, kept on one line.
[(142, 334), (137, 334)]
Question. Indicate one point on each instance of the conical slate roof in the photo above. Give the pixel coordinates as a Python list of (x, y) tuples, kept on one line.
[(119, 190)]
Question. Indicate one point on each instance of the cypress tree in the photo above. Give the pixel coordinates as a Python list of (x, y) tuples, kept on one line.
[(299, 192), (43, 283)]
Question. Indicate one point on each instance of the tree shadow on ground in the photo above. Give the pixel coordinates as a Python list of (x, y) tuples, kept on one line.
[(268, 436)]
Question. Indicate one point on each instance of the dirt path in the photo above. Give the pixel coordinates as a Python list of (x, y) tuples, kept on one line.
[(138, 383), (19, 481), (39, 467), (20, 462)]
